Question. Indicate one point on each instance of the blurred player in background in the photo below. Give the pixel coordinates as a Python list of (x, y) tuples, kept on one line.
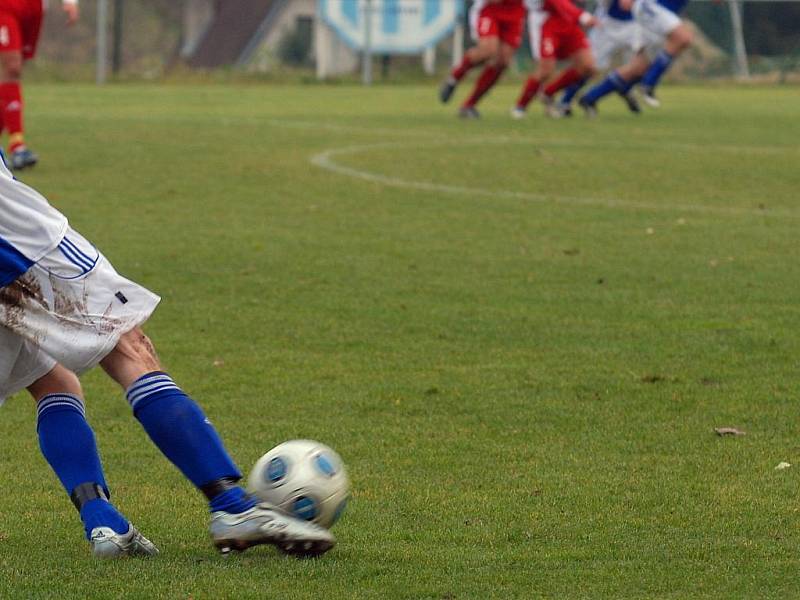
[(64, 310), (664, 37), (616, 34), (20, 24), (556, 31), (497, 25)]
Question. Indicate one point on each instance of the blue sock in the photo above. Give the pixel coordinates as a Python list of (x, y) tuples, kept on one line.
[(569, 93), (180, 429), (68, 444), (629, 85), (660, 64), (612, 82)]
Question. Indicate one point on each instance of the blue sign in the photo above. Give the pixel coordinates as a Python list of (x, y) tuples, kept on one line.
[(395, 26)]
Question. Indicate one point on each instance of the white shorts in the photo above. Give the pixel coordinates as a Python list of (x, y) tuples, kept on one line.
[(614, 38), (656, 22), (70, 308)]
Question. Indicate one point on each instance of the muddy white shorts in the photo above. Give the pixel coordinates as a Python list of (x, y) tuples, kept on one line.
[(71, 307)]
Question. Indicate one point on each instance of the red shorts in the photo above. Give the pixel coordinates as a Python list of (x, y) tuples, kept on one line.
[(20, 23), (557, 38), (502, 21)]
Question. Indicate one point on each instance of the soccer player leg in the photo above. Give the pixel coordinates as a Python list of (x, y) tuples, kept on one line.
[(543, 49), (180, 429), (68, 444), (485, 30), (678, 39), (175, 422)]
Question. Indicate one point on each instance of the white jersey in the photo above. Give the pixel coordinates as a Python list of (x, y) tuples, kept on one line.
[(29, 226)]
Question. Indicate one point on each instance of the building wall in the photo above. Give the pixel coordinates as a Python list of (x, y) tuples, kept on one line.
[(329, 53)]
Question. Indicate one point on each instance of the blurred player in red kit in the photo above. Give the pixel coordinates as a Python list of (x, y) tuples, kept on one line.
[(497, 25), (20, 23), (556, 30)]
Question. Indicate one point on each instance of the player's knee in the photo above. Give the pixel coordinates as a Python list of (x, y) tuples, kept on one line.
[(11, 66), (681, 38), (59, 380)]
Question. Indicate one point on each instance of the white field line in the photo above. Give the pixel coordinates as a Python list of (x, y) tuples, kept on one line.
[(525, 138), (327, 160)]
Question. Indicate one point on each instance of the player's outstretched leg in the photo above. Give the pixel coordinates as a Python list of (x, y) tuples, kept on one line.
[(180, 429), (68, 444)]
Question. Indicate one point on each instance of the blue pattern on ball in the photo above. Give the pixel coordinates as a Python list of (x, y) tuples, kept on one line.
[(325, 464), (304, 508), (276, 469)]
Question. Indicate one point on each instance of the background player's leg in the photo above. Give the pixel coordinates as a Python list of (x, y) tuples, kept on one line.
[(68, 444), (677, 41), (11, 98), (175, 423), (547, 67), (485, 49)]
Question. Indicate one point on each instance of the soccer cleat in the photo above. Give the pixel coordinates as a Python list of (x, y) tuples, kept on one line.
[(590, 108), (649, 97), (631, 102), (107, 543), (550, 107), (264, 524), (469, 112), (565, 109), (446, 91), (518, 113), (22, 158)]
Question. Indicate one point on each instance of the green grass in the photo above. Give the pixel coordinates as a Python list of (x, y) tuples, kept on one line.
[(519, 337)]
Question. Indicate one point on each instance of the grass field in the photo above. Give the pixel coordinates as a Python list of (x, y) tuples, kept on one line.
[(519, 336)]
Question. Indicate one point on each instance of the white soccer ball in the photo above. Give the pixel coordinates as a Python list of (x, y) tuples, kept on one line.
[(304, 479)]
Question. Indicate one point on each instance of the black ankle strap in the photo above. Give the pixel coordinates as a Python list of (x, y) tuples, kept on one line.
[(215, 488), (85, 492)]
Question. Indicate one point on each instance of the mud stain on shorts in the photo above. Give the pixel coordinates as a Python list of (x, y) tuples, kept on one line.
[(15, 297)]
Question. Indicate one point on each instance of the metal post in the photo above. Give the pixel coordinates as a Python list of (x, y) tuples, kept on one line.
[(366, 59), (102, 42), (116, 54), (742, 68)]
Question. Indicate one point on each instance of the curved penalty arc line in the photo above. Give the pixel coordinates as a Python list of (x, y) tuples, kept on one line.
[(327, 160)]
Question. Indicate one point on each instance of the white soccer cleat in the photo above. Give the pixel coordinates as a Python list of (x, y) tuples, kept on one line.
[(518, 113), (551, 109), (264, 524), (649, 97), (107, 543)]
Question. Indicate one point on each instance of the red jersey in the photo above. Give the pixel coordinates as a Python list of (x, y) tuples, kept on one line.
[(563, 9)]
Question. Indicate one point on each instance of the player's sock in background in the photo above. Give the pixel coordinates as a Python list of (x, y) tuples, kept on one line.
[(457, 74), (11, 108), (629, 85), (660, 64), (612, 82), (571, 91), (180, 429), (528, 92), (487, 79), (68, 444), (566, 78)]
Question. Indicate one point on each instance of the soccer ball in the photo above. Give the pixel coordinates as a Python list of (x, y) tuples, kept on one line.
[(304, 479)]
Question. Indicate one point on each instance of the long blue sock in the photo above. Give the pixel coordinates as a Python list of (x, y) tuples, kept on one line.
[(612, 82), (660, 64), (629, 85), (180, 429), (68, 444), (571, 91)]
